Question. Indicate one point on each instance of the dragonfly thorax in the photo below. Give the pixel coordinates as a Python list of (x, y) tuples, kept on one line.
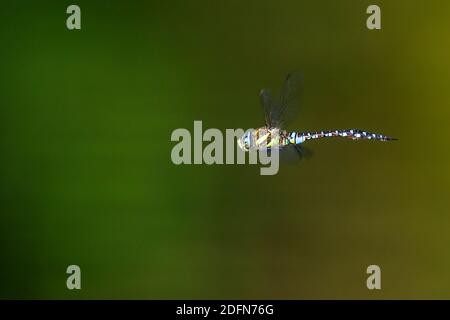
[(262, 138)]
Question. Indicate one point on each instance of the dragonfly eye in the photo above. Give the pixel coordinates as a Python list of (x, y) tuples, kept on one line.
[(246, 141), (243, 142), (249, 140)]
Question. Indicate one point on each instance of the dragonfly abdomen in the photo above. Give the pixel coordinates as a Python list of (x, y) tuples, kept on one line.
[(354, 134)]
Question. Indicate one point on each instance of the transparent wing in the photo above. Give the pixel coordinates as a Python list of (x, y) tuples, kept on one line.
[(290, 96), (268, 104), (278, 112), (292, 154)]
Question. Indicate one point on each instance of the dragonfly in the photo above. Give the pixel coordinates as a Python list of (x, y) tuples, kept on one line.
[(278, 111)]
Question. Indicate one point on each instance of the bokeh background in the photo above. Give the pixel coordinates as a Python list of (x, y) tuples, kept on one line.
[(86, 176)]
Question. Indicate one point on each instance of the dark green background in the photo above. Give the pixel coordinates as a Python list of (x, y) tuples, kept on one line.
[(86, 176)]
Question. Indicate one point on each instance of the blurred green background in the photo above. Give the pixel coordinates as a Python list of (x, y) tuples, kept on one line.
[(86, 176)]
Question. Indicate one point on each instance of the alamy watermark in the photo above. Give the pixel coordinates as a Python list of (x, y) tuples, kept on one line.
[(373, 22), (374, 280), (73, 21), (213, 153), (74, 279)]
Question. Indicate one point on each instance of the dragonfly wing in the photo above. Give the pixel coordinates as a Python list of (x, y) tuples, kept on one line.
[(277, 111), (289, 98), (267, 101), (292, 154)]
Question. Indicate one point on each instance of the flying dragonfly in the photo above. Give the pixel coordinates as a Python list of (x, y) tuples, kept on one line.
[(277, 111)]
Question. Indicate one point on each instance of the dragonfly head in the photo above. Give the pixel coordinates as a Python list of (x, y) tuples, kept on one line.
[(247, 141)]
